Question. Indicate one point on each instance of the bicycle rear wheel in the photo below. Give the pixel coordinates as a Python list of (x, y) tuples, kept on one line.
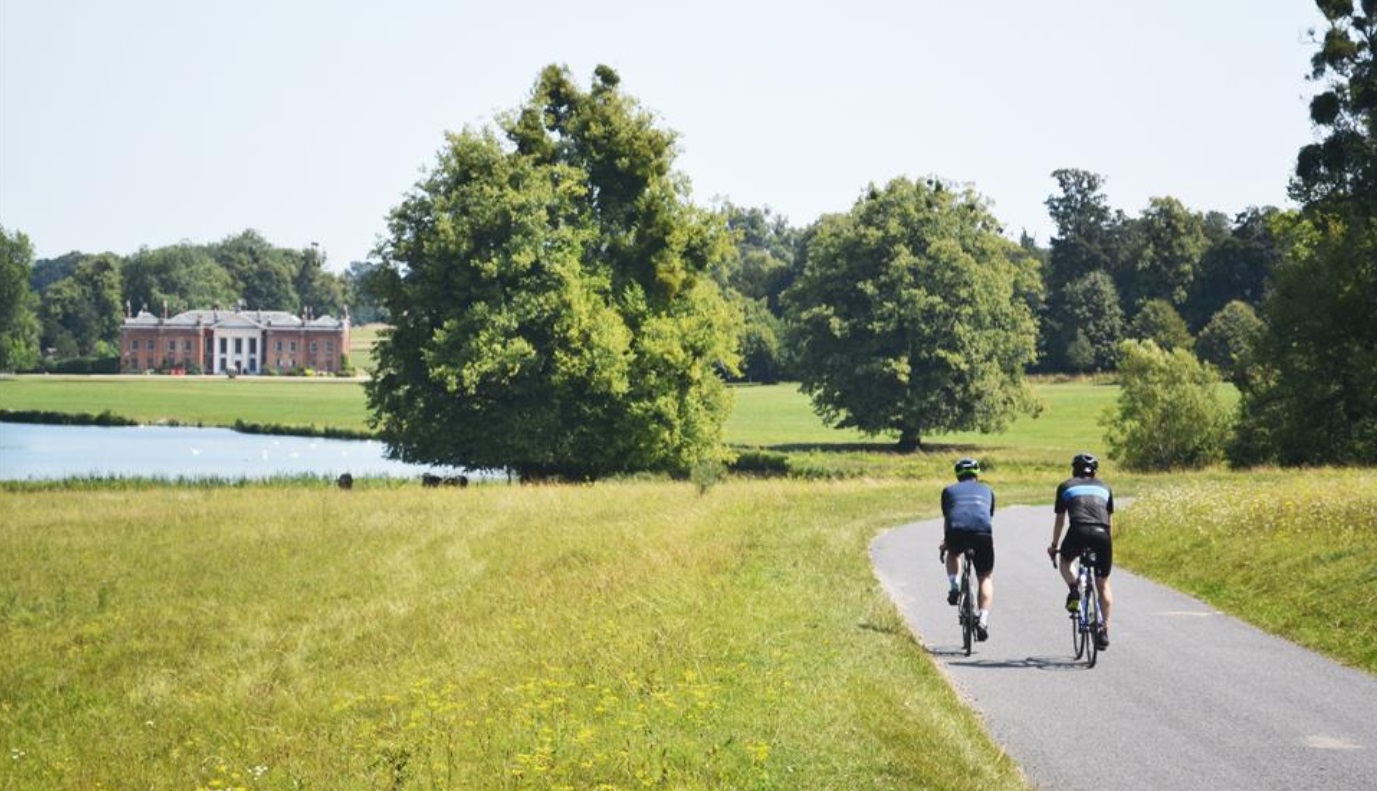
[(1092, 621), (1077, 635), (967, 610)]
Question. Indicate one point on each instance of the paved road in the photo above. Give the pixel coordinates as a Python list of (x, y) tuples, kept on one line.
[(1185, 698)]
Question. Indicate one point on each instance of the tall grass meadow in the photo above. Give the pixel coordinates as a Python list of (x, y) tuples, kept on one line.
[(619, 636)]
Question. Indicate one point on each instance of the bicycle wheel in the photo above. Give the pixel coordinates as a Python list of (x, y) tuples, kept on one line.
[(1077, 634), (967, 609), (1092, 619)]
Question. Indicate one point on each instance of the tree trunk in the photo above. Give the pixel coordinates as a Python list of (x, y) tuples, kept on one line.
[(908, 441)]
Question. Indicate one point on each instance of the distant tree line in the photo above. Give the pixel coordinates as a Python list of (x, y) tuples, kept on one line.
[(1182, 278), (55, 310)]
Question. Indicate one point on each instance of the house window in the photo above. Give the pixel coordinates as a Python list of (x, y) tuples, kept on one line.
[(224, 348), (172, 346), (313, 347), (186, 346), (134, 345), (329, 347), (238, 345), (291, 346), (279, 346), (253, 346)]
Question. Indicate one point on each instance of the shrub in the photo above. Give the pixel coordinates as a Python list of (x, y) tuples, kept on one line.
[(1168, 415), (760, 462)]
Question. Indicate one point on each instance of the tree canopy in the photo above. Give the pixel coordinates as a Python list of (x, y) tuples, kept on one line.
[(551, 292), (18, 305), (910, 317), (1168, 415), (1312, 392)]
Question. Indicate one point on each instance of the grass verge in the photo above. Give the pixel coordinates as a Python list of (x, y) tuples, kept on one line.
[(1294, 553)]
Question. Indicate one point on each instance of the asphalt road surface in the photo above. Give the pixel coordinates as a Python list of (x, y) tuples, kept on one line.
[(1184, 698)]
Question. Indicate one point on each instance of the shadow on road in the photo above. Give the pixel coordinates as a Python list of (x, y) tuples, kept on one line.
[(1032, 662)]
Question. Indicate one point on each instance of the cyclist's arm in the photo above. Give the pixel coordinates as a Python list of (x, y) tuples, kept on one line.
[(1057, 527)]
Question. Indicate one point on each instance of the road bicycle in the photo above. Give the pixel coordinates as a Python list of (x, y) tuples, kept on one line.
[(965, 602), (1087, 622)]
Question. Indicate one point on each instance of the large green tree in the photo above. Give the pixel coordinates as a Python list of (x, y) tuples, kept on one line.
[(19, 325), (1092, 321), (317, 289), (1312, 395), (755, 277), (1092, 239), (1227, 341), (81, 313), (1237, 266), (1158, 321), (262, 274), (552, 299), (1173, 241), (909, 317), (182, 277)]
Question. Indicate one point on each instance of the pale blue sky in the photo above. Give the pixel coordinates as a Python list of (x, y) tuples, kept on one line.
[(145, 122)]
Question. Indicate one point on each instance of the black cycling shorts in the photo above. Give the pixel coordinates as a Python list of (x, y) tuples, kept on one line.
[(983, 543), (1097, 539)]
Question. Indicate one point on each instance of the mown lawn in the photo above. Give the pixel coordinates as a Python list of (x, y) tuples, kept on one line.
[(196, 400), (771, 416)]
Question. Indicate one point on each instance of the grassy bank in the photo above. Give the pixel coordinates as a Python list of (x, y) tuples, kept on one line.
[(620, 636), (1293, 553)]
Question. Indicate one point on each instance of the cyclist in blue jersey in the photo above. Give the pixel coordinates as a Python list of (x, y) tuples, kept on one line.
[(967, 520), (1089, 504)]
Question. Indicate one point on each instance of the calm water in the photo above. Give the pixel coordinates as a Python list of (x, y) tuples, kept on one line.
[(39, 452)]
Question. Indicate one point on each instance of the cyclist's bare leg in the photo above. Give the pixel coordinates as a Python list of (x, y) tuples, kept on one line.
[(986, 591), (1067, 573), (1106, 599)]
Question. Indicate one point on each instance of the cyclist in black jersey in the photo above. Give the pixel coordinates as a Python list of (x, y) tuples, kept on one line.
[(967, 521), (1089, 504)]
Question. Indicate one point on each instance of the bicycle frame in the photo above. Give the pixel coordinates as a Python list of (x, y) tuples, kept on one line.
[(966, 610), (1088, 620)]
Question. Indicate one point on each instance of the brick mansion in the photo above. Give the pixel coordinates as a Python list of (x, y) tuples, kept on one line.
[(233, 342)]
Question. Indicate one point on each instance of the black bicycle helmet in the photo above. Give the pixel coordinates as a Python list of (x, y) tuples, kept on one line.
[(967, 468), (1084, 465)]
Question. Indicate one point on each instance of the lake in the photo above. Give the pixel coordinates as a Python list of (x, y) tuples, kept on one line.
[(42, 452)]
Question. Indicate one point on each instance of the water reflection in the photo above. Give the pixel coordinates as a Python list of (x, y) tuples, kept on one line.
[(41, 452)]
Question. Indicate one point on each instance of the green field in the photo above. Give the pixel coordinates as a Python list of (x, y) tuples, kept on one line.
[(195, 400), (775, 416)]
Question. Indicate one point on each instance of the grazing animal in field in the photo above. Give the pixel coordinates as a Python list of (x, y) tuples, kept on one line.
[(428, 480), (346, 481)]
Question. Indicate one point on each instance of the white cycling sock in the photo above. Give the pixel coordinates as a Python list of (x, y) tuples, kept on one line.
[(984, 617), (952, 579)]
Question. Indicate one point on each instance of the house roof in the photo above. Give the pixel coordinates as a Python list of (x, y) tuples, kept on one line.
[(230, 319)]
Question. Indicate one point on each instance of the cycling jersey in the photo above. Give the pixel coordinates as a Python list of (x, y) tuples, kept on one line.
[(968, 506), (1087, 502)]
